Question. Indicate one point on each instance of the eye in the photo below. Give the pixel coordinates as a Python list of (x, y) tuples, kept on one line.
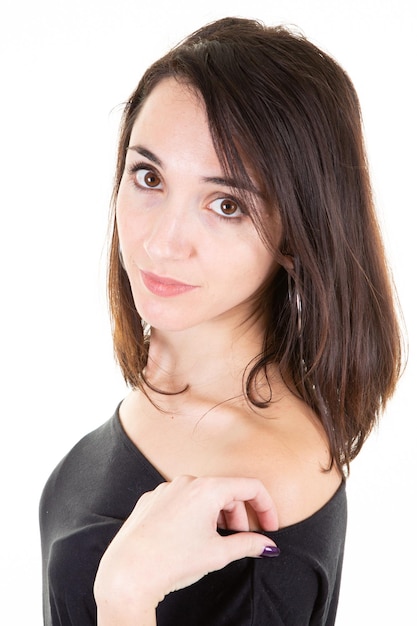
[(147, 178), (226, 207)]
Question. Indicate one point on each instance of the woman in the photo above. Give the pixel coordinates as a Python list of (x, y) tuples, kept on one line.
[(254, 321)]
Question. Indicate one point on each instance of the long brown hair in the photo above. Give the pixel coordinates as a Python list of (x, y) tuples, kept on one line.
[(278, 104)]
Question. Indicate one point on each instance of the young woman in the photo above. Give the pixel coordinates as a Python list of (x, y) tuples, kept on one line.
[(254, 321)]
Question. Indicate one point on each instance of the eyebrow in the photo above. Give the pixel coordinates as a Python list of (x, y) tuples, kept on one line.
[(147, 154), (216, 180)]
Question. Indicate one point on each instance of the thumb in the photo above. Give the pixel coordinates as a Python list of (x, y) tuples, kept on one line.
[(242, 544)]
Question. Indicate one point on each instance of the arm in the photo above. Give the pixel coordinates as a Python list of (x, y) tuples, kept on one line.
[(170, 541)]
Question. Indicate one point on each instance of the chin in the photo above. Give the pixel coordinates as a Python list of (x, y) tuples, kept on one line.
[(165, 322)]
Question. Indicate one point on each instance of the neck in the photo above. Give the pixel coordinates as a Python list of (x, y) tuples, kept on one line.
[(208, 364)]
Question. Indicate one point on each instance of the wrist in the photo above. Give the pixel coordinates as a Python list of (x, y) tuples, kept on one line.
[(140, 618), (118, 611), (121, 603)]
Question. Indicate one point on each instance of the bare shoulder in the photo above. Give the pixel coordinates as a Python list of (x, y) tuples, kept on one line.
[(290, 454), (285, 447)]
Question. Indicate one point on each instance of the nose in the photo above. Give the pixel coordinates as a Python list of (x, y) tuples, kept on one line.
[(169, 236)]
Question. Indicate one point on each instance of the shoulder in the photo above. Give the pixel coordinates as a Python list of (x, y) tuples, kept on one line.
[(84, 458), (301, 488), (290, 454)]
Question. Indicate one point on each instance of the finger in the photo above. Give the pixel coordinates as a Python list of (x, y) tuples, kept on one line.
[(268, 518), (236, 517), (221, 521), (247, 544), (250, 490)]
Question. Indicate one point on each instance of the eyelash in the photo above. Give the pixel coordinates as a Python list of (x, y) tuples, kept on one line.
[(230, 218), (136, 167)]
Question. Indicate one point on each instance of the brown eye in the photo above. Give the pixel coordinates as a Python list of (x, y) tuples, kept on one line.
[(226, 207), (229, 207), (147, 178), (151, 179)]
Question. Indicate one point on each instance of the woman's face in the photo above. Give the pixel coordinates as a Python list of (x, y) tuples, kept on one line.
[(192, 254)]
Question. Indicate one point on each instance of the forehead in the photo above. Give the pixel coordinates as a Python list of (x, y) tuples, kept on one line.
[(171, 102), (173, 124), (174, 119)]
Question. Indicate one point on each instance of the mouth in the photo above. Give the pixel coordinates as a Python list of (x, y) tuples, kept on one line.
[(165, 286)]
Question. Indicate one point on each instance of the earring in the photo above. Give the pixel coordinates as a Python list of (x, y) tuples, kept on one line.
[(294, 295)]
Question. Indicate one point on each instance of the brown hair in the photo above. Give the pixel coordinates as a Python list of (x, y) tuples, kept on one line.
[(280, 105)]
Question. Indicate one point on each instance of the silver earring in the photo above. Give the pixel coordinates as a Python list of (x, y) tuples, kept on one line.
[(294, 295)]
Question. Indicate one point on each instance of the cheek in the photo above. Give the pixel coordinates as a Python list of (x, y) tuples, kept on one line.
[(128, 227), (121, 225), (123, 242), (250, 274), (120, 214), (261, 261)]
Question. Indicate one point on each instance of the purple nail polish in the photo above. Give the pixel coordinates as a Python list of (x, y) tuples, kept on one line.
[(270, 551)]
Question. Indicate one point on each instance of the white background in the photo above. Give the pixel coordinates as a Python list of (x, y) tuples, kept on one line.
[(66, 66)]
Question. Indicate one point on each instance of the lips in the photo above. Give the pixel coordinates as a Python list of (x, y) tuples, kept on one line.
[(165, 286)]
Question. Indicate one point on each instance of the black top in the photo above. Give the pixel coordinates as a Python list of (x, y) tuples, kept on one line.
[(94, 489)]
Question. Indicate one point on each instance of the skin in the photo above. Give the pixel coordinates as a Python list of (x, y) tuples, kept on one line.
[(195, 262), (171, 224)]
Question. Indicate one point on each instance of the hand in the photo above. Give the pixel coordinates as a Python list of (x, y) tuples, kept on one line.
[(170, 541)]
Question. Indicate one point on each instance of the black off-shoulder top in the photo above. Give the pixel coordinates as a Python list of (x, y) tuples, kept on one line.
[(94, 489)]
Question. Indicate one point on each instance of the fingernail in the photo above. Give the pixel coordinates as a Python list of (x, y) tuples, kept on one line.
[(270, 551)]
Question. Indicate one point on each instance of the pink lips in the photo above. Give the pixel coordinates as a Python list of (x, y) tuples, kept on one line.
[(163, 286)]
